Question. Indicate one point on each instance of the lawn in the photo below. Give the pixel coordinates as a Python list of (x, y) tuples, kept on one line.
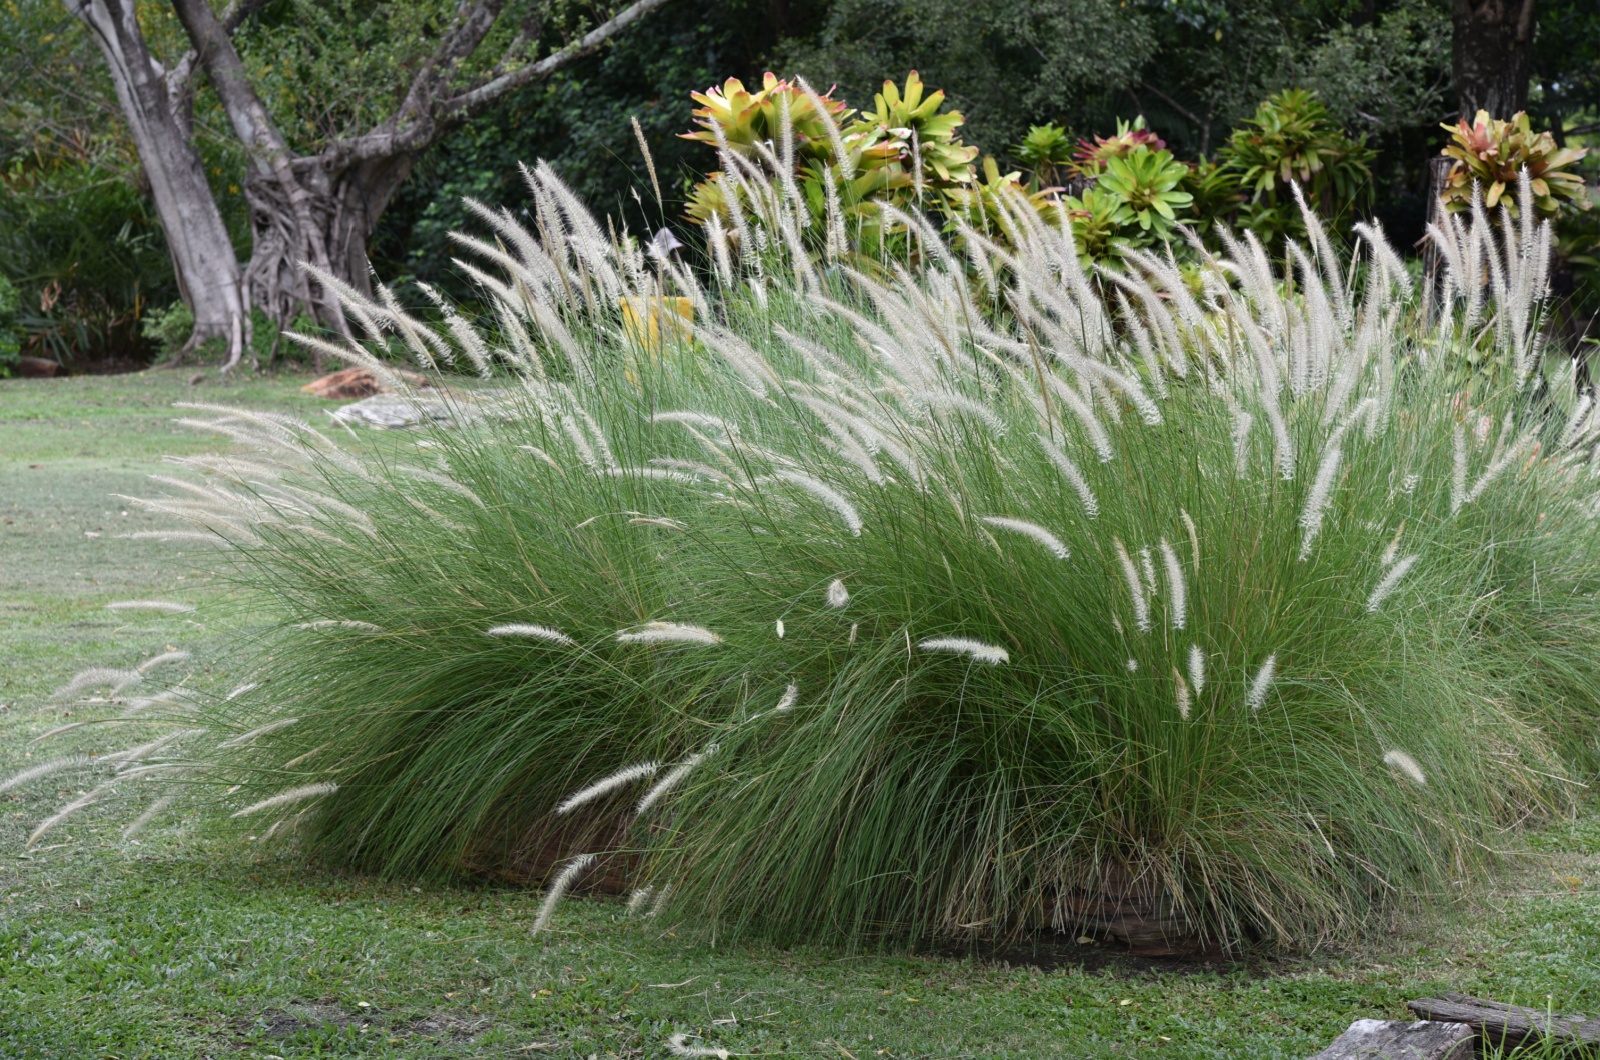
[(183, 944)]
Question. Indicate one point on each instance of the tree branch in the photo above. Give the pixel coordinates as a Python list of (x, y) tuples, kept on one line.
[(232, 18), (590, 42), (269, 152), (472, 24), (393, 140)]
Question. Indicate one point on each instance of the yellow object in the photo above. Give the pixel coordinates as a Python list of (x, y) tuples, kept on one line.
[(675, 314), (648, 322)]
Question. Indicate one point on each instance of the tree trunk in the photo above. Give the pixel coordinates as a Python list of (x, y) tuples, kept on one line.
[(287, 227), (202, 254), (321, 209), (341, 211), (1506, 1027), (1492, 55), (362, 193)]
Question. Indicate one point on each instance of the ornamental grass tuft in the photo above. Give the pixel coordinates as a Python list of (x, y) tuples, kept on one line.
[(958, 594)]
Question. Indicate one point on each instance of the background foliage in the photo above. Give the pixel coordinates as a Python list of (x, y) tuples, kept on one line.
[(73, 212)]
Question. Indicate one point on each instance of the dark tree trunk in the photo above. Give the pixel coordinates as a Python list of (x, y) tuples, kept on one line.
[(341, 209), (363, 192), (1492, 53)]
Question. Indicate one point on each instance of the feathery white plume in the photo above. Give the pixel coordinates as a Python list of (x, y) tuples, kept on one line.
[(791, 696), (606, 785), (657, 474), (97, 677), (558, 887), (248, 686), (951, 401), (646, 520), (66, 811), (170, 536), (1141, 605), (134, 755), (673, 778), (45, 769), (1182, 694), (691, 418), (1317, 499), (161, 660), (826, 494), (1072, 474), (1197, 668), (678, 1045), (1262, 684), (1194, 538), (667, 633), (1390, 582), (1242, 422), (522, 629), (639, 897), (838, 596), (976, 650), (347, 623), (1030, 530), (1177, 588), (1393, 550), (151, 812), (293, 795), (58, 730), (260, 730), (1458, 477), (778, 627), (1404, 763)]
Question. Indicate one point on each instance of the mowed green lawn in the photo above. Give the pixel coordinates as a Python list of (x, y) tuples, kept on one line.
[(184, 944)]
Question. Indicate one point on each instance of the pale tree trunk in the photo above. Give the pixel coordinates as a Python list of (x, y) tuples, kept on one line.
[(283, 210), (202, 254), (1492, 55)]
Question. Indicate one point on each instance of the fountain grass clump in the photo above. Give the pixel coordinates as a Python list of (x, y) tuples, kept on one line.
[(962, 596)]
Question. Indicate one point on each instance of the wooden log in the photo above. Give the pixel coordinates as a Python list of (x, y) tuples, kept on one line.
[(1400, 1040), (356, 383), (38, 368), (1508, 1026)]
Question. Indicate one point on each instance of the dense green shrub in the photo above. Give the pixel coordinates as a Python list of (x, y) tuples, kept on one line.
[(82, 247), (169, 327), (10, 347), (1292, 139), (1131, 193), (862, 609)]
